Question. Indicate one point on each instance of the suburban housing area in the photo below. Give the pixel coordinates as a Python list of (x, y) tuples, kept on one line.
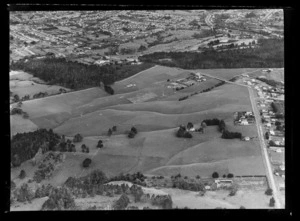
[(132, 110)]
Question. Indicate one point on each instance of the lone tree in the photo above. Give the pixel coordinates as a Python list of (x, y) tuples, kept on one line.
[(215, 175), (134, 130), (109, 89), (100, 144), (189, 125), (269, 192), (86, 163), (77, 138), (203, 124), (267, 135), (272, 202), (131, 134), (109, 132), (201, 130), (83, 148), (229, 175), (114, 128), (22, 174)]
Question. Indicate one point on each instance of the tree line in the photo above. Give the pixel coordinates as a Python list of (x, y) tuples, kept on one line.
[(269, 53), (59, 71)]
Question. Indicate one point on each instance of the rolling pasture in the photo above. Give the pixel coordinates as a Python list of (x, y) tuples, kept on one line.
[(156, 113), (22, 84)]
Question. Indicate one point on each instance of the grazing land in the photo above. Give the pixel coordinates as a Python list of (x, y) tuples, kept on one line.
[(154, 110)]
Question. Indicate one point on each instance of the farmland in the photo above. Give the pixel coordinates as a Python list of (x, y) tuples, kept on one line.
[(156, 113), (23, 84)]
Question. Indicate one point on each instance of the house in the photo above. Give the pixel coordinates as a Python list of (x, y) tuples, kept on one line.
[(281, 186)]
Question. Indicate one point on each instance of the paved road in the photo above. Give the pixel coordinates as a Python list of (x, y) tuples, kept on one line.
[(264, 151), (265, 155)]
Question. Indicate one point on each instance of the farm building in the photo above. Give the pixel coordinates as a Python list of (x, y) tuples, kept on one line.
[(223, 182), (246, 138)]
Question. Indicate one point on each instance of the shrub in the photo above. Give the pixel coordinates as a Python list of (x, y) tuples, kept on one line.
[(215, 175), (114, 128), (86, 163), (269, 192), (197, 177), (134, 130), (109, 89), (189, 125), (109, 132), (229, 175), (131, 134), (233, 190), (100, 144), (12, 185), (22, 174), (272, 202), (77, 138)]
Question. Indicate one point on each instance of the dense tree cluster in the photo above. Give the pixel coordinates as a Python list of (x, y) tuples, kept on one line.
[(231, 135), (184, 184), (23, 194), (182, 132), (47, 166), (215, 42), (136, 178), (74, 75), (121, 203), (77, 138), (19, 111), (24, 146), (270, 82), (60, 198), (269, 53), (40, 94)]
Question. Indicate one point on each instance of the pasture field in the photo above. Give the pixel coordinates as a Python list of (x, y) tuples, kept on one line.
[(155, 149), (277, 74), (22, 84), (227, 74), (21, 125)]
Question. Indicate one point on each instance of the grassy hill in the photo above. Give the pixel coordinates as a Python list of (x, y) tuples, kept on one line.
[(155, 149)]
